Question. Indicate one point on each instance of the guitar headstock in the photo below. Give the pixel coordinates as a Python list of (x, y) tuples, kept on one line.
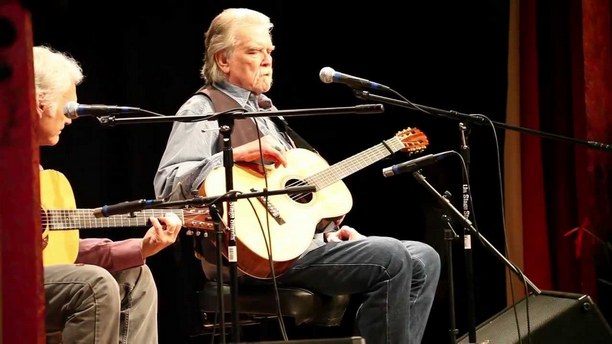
[(414, 140), (197, 219)]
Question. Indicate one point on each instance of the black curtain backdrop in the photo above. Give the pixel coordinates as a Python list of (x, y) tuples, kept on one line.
[(450, 55)]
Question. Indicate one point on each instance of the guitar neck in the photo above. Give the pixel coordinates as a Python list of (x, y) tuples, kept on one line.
[(354, 163), (62, 219)]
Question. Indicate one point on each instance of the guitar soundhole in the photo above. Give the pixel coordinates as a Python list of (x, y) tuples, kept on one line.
[(304, 197)]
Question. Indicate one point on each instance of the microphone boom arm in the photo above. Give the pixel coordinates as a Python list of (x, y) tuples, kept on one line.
[(357, 109), (478, 119)]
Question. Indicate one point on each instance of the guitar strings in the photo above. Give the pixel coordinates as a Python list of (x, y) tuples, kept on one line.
[(70, 218), (344, 168)]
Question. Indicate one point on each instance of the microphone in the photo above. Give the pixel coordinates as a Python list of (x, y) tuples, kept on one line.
[(329, 75), (74, 110), (415, 164), (125, 207)]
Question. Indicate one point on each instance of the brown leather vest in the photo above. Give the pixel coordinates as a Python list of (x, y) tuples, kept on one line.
[(244, 129)]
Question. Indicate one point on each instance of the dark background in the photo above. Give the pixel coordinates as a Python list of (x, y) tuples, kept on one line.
[(450, 55)]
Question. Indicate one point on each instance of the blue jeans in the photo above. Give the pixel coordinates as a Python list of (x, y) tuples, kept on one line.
[(396, 279)]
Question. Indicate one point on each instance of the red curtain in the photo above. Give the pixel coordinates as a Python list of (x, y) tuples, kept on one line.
[(566, 90), (593, 120), (21, 287), (535, 236)]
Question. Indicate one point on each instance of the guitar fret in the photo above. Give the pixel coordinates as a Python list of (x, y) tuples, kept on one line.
[(353, 164), (61, 227), (62, 219)]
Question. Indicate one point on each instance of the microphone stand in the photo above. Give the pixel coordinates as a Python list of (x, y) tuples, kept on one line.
[(216, 216), (467, 238), (233, 196), (212, 202), (226, 125), (468, 224), (449, 236), (226, 122), (478, 119)]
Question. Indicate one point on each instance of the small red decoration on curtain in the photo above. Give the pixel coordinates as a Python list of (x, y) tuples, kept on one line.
[(580, 230)]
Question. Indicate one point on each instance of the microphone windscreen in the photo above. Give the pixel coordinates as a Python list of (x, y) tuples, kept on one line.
[(70, 109), (327, 75)]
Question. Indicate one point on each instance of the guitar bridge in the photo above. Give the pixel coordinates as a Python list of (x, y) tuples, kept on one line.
[(270, 208)]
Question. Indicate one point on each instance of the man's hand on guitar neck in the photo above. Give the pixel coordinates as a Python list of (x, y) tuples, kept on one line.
[(345, 233), (162, 234)]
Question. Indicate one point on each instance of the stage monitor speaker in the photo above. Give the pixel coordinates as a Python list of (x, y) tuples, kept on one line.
[(554, 317), (346, 340)]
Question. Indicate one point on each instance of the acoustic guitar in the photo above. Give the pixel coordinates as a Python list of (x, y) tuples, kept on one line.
[(271, 233), (61, 221)]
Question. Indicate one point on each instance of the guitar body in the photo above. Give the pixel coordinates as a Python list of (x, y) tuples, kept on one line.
[(292, 231), (59, 247), (287, 223)]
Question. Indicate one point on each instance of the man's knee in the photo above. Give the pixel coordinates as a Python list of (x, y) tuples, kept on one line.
[(147, 282), (427, 256), (101, 287), (137, 282)]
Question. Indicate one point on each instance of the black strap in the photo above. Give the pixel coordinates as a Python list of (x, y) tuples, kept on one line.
[(299, 140)]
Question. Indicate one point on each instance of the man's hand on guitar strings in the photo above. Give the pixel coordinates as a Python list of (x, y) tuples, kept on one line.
[(270, 151), (163, 233)]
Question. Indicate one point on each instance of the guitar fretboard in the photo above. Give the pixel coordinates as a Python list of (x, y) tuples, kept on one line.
[(62, 219), (354, 163)]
